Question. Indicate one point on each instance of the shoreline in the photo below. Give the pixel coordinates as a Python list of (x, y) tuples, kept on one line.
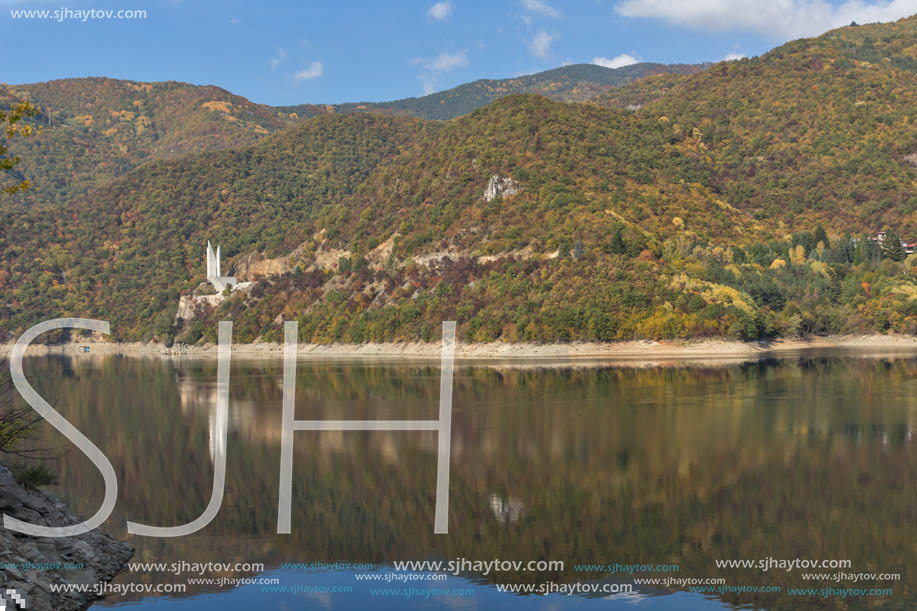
[(100, 556), (614, 351)]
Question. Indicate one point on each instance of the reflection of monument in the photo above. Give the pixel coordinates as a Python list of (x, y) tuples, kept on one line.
[(247, 417), (511, 510), (220, 283), (199, 397)]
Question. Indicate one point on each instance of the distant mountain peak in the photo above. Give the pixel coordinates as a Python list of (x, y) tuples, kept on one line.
[(571, 83)]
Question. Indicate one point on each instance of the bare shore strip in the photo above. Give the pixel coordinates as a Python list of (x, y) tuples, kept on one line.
[(623, 351)]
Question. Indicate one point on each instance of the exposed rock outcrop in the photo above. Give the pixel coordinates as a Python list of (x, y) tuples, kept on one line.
[(380, 254), (256, 264), (500, 186), (188, 304), (912, 159), (21, 556)]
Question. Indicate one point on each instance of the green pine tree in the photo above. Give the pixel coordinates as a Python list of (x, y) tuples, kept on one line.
[(618, 246), (892, 248), (859, 251), (821, 236)]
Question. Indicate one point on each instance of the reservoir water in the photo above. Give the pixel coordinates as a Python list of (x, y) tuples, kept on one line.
[(669, 466)]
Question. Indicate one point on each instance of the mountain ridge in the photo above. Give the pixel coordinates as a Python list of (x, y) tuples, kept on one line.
[(104, 127), (571, 83)]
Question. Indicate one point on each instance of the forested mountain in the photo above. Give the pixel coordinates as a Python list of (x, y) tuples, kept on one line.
[(573, 83), (96, 129), (732, 202), (821, 129), (138, 237)]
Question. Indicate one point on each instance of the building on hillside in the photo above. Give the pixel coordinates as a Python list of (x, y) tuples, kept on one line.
[(214, 277), (189, 304), (909, 247)]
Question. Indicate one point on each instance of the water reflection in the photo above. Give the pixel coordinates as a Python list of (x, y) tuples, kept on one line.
[(793, 458)]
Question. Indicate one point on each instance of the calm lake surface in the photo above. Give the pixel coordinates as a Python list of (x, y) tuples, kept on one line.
[(809, 457)]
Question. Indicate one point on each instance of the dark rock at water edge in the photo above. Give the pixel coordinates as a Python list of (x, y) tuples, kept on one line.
[(101, 555)]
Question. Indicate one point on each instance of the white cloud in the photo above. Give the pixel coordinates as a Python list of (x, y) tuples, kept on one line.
[(618, 62), (541, 44), (429, 84), (446, 61), (782, 19), (733, 56), (234, 21), (314, 70), (440, 10), (541, 8), (278, 58), (434, 66)]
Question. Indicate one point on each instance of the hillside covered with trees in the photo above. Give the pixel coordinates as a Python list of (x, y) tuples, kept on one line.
[(737, 202), (98, 129), (573, 83)]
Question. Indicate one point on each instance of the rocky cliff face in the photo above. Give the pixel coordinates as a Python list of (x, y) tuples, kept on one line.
[(188, 304), (500, 186), (255, 264), (22, 557)]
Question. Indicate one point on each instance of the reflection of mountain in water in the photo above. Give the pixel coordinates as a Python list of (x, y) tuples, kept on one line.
[(506, 510), (666, 465)]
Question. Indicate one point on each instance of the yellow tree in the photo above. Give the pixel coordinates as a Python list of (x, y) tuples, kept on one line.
[(12, 126)]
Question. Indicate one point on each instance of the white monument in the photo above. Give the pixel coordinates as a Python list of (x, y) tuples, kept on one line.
[(219, 282)]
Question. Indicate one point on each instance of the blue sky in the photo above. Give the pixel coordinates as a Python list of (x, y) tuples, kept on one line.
[(288, 52)]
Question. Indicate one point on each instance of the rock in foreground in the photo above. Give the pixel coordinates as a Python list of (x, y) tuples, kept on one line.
[(101, 555)]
